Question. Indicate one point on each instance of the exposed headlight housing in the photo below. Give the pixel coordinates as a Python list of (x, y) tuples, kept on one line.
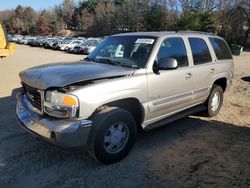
[(60, 105)]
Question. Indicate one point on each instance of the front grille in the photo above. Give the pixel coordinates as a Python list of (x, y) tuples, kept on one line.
[(33, 95)]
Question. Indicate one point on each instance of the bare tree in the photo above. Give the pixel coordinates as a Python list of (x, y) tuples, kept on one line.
[(68, 12)]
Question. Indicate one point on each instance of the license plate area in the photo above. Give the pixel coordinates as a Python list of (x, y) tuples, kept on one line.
[(23, 115)]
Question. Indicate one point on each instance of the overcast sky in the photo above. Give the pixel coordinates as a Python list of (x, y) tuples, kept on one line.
[(35, 4)]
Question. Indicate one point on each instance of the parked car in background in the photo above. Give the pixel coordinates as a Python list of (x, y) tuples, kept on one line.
[(89, 45), (49, 43), (72, 48), (78, 49), (81, 38), (79, 45), (23, 39), (56, 44), (70, 44)]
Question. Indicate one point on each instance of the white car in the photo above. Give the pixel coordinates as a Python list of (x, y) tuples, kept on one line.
[(70, 44), (72, 48), (90, 45)]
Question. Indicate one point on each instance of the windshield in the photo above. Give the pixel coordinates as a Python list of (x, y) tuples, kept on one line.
[(129, 51)]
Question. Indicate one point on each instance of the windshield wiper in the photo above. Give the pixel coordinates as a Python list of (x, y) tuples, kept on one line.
[(107, 60)]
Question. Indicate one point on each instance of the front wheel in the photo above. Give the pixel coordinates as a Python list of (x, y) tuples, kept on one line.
[(214, 101), (112, 136)]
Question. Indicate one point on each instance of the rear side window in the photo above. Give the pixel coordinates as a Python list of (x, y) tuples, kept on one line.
[(200, 51), (173, 48), (221, 49)]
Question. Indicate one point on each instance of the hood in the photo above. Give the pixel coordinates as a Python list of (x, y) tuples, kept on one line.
[(63, 74)]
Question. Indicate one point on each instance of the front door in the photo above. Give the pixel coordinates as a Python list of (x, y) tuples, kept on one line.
[(170, 91)]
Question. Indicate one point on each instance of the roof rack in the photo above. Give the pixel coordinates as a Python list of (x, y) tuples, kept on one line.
[(167, 31), (197, 32)]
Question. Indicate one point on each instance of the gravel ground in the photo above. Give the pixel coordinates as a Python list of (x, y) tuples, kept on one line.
[(191, 152)]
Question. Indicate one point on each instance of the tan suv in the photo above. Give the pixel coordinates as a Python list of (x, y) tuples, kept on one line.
[(130, 81)]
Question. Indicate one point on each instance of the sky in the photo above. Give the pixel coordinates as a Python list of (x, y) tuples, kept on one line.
[(35, 4)]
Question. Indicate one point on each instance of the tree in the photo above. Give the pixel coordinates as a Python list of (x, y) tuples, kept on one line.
[(43, 24), (29, 20), (104, 21), (154, 19), (131, 15), (197, 21), (18, 19), (88, 5), (58, 17), (230, 18), (235, 22), (68, 12), (86, 21)]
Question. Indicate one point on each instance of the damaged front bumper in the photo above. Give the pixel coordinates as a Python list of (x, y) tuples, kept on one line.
[(64, 133)]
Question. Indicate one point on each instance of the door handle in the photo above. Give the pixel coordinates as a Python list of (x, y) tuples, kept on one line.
[(212, 71), (188, 75)]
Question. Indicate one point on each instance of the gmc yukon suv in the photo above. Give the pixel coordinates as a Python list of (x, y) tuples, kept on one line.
[(130, 81)]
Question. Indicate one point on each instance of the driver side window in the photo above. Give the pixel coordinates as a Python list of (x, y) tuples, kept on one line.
[(173, 48)]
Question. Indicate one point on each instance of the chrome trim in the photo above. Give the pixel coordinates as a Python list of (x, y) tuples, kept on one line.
[(201, 90), (30, 98), (153, 120), (42, 100), (69, 133), (71, 110), (178, 99), (30, 106), (171, 98), (85, 123)]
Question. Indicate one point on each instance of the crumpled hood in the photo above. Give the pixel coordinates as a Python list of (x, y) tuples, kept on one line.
[(63, 74)]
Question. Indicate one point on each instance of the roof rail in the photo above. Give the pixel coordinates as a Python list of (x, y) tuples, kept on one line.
[(197, 32), (167, 31)]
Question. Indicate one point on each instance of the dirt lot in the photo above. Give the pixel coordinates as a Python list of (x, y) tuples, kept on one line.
[(192, 152)]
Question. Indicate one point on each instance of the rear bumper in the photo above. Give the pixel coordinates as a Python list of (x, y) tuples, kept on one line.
[(63, 133)]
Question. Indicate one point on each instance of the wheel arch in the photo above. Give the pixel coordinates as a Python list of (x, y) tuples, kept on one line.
[(221, 82), (132, 105)]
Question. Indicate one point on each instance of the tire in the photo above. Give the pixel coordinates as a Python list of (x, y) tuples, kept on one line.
[(215, 101), (112, 135)]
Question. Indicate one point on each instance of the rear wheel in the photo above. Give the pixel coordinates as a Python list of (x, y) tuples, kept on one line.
[(214, 101), (112, 136)]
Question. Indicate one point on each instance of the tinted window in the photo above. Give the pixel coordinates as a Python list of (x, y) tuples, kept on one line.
[(200, 51), (173, 48), (221, 49)]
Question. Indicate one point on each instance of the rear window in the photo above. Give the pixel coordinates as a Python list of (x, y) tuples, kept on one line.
[(200, 51), (221, 49)]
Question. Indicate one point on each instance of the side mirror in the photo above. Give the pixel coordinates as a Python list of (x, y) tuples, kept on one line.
[(167, 64)]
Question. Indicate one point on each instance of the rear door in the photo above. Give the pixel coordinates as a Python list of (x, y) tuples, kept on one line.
[(224, 59), (204, 68)]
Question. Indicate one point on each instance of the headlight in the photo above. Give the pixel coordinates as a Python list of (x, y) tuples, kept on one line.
[(59, 104), (58, 98)]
